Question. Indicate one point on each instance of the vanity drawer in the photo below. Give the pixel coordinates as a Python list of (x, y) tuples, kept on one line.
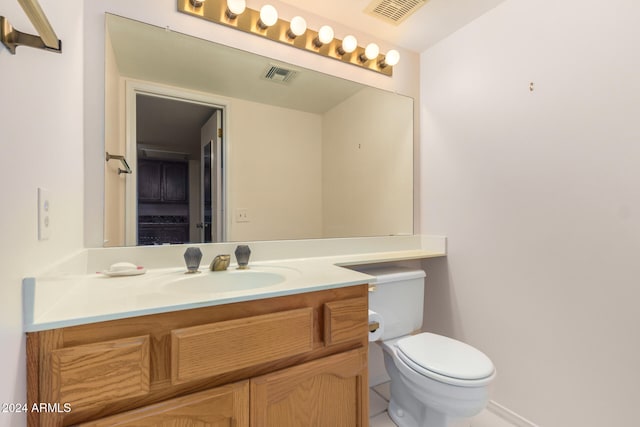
[(91, 375), (204, 351), (345, 320)]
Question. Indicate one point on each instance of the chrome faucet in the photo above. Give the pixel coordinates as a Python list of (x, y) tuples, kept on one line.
[(220, 263)]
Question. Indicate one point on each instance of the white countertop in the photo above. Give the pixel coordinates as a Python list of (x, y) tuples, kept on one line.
[(61, 300)]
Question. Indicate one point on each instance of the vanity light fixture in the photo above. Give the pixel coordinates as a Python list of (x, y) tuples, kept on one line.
[(370, 52), (349, 44), (266, 23), (390, 59), (235, 8), (325, 36), (268, 17), (46, 39), (297, 27)]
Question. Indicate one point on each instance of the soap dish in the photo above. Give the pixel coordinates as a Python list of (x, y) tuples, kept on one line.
[(124, 269)]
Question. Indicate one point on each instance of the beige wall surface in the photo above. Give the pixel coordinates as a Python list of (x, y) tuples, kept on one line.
[(283, 198), (114, 143), (357, 157), (537, 192)]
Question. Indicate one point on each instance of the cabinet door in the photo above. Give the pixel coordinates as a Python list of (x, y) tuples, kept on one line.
[(175, 182), (329, 392), (75, 375), (226, 406), (160, 181), (149, 181)]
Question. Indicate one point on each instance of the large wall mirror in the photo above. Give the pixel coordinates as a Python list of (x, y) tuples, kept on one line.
[(226, 145)]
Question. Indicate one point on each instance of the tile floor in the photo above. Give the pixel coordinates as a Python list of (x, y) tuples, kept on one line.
[(378, 417)]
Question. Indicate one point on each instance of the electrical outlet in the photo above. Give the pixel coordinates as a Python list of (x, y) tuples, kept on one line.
[(242, 215), (44, 214)]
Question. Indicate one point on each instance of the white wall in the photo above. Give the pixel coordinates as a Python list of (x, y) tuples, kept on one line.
[(538, 195), (41, 140)]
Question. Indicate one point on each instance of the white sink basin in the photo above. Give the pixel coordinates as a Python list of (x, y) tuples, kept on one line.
[(208, 282)]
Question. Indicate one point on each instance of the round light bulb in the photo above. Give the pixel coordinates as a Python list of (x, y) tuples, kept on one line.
[(371, 51), (325, 34), (268, 15), (298, 25), (236, 7), (349, 44), (392, 57)]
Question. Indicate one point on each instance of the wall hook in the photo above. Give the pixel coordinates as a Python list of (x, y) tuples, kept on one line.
[(47, 39), (126, 169)]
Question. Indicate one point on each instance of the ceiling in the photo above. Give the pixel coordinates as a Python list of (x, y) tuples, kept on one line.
[(429, 24)]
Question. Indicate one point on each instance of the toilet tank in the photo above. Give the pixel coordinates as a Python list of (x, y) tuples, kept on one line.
[(398, 298)]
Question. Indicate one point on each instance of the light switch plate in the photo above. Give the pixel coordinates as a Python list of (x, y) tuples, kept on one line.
[(44, 214)]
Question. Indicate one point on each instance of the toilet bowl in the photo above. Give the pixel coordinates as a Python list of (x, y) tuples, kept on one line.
[(450, 383), (434, 379)]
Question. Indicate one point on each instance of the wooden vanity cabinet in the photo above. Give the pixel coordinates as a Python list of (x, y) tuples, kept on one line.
[(295, 360)]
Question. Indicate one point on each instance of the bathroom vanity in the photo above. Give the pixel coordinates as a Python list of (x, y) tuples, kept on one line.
[(283, 343), (284, 361)]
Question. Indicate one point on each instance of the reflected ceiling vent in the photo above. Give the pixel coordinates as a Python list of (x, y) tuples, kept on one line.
[(279, 74), (394, 11)]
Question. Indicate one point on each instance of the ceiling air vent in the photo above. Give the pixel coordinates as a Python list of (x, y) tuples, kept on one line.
[(279, 74), (394, 11)]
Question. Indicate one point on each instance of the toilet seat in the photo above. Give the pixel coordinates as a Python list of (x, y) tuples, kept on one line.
[(445, 359)]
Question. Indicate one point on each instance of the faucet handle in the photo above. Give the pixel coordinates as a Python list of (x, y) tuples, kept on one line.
[(192, 257), (242, 253), (220, 263)]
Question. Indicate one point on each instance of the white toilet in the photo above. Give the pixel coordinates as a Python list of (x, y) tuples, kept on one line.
[(435, 380)]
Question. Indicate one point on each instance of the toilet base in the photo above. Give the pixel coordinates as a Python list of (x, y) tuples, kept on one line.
[(429, 418), (418, 401)]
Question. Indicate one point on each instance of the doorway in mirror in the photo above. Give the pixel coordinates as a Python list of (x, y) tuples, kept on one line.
[(179, 152)]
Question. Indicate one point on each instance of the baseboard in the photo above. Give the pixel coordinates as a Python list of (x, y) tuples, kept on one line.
[(508, 415)]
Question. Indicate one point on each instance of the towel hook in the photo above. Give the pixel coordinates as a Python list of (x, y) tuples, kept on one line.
[(126, 169), (46, 39)]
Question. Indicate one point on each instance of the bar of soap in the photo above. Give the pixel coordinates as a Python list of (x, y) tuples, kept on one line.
[(122, 266)]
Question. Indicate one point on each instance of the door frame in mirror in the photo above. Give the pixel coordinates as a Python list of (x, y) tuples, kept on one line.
[(137, 87)]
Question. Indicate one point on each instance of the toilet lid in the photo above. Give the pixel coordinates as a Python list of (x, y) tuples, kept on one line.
[(446, 356)]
